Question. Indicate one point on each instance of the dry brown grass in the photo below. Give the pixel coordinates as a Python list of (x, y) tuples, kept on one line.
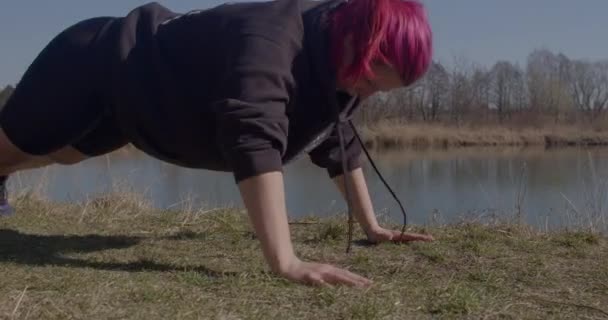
[(115, 258), (391, 135)]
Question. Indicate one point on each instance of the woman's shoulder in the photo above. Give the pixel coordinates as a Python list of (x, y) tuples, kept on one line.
[(270, 19)]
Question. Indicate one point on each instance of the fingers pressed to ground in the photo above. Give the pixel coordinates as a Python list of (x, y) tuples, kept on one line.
[(412, 237), (341, 276)]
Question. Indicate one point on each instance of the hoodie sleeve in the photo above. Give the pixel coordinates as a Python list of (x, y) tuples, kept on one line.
[(327, 154), (251, 119)]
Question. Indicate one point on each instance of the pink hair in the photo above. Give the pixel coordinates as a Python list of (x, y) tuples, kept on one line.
[(396, 32)]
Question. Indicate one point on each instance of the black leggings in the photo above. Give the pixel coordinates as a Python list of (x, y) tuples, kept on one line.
[(63, 98)]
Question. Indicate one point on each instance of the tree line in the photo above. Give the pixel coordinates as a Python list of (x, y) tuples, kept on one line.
[(550, 88)]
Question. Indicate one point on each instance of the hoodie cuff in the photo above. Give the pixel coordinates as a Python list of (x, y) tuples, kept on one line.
[(351, 164), (255, 163)]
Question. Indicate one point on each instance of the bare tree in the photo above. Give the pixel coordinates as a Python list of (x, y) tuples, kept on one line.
[(419, 98), (480, 85), (520, 94), (436, 86), (506, 85), (372, 111), (547, 82), (589, 87), (461, 89)]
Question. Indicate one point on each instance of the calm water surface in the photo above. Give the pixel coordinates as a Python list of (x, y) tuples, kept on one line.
[(547, 187)]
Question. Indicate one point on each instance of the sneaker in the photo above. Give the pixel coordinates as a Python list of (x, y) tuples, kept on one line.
[(5, 208)]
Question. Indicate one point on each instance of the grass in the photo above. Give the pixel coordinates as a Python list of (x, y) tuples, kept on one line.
[(388, 135), (115, 258)]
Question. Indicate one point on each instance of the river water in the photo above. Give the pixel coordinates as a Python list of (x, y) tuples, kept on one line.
[(545, 188)]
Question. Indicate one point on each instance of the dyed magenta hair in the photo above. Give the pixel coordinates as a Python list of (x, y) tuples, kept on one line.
[(396, 32)]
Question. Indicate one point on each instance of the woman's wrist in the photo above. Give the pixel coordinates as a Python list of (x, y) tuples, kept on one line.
[(283, 266), (369, 226)]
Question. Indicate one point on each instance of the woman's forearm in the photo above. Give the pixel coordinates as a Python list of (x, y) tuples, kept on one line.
[(362, 204), (264, 198)]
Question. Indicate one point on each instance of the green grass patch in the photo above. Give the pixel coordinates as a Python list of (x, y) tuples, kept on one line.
[(117, 258)]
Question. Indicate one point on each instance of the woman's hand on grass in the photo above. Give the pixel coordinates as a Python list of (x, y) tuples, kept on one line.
[(317, 274)]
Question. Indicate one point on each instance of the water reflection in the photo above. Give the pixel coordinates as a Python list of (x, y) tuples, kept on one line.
[(545, 186)]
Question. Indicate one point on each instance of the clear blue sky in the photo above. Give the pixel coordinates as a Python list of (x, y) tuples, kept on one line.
[(483, 31)]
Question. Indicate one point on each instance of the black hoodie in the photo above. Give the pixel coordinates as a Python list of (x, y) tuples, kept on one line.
[(244, 87)]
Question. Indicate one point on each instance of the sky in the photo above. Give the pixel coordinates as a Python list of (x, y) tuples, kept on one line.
[(479, 31)]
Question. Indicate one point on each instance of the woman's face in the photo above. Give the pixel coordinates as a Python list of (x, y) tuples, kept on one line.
[(387, 78)]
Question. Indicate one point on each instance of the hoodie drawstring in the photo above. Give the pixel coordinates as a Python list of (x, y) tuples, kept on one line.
[(371, 161), (347, 192), (347, 186)]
